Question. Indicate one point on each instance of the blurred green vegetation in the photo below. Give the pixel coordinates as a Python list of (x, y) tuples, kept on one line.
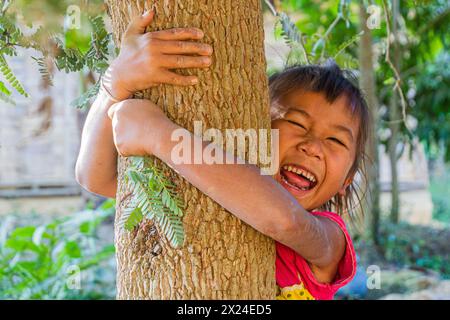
[(413, 246), (440, 194), (62, 259)]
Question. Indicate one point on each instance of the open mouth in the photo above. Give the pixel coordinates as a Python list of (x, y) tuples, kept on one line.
[(298, 177)]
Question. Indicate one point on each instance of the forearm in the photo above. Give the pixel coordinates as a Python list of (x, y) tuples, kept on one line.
[(256, 199), (96, 167)]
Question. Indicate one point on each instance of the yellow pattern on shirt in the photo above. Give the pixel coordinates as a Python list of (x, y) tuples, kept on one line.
[(295, 292)]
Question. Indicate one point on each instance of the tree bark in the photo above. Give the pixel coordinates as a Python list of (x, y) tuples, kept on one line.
[(394, 117), (222, 257), (367, 83)]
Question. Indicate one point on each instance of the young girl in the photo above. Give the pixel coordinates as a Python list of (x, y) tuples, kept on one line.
[(323, 123)]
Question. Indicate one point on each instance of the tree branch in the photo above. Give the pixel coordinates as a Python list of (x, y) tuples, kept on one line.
[(398, 80)]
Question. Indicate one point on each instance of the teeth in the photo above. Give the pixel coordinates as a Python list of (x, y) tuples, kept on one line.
[(287, 182), (307, 175)]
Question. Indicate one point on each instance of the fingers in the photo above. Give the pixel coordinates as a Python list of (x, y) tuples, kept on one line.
[(183, 47), (139, 23), (173, 78), (179, 61), (178, 34)]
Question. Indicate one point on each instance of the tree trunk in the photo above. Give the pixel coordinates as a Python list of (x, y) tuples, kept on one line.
[(367, 83), (222, 257), (394, 117)]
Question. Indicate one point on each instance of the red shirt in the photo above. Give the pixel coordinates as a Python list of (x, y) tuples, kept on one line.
[(295, 279)]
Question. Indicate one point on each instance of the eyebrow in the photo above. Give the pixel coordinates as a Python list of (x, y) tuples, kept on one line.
[(303, 112), (338, 127), (345, 130)]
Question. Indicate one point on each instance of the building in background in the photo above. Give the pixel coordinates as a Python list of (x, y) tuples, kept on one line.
[(39, 141)]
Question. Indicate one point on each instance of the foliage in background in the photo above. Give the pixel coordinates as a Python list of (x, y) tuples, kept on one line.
[(321, 30), (440, 191), (417, 247), (424, 41), (46, 261), (60, 42), (432, 104)]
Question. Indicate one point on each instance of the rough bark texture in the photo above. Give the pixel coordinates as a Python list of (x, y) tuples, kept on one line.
[(222, 258)]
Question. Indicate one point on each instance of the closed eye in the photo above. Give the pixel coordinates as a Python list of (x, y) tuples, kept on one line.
[(337, 141), (296, 124)]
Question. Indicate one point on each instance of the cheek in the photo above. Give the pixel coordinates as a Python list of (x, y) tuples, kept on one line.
[(284, 137), (338, 167), (287, 134)]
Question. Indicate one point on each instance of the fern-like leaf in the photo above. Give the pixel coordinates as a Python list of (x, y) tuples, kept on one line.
[(172, 227), (43, 70), (347, 61), (68, 59), (4, 89), (83, 101), (156, 198), (5, 94), (130, 218), (289, 30), (292, 36), (97, 56), (10, 77), (8, 30), (346, 44)]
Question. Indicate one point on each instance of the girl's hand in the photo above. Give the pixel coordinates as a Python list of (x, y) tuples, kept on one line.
[(136, 124), (145, 59)]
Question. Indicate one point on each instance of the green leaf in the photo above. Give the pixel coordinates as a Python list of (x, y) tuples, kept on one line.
[(43, 70), (6, 99), (130, 218), (23, 232), (84, 100), (105, 253), (154, 197), (4, 89), (347, 44), (68, 59), (10, 77), (289, 30), (109, 204), (72, 249), (389, 81)]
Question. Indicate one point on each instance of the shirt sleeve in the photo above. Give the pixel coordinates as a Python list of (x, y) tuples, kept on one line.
[(346, 268)]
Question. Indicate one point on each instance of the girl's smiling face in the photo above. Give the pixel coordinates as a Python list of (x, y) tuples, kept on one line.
[(317, 146)]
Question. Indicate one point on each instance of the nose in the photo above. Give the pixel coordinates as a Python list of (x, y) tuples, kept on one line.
[(312, 148)]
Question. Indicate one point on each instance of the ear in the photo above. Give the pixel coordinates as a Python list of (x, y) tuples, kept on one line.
[(347, 182)]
